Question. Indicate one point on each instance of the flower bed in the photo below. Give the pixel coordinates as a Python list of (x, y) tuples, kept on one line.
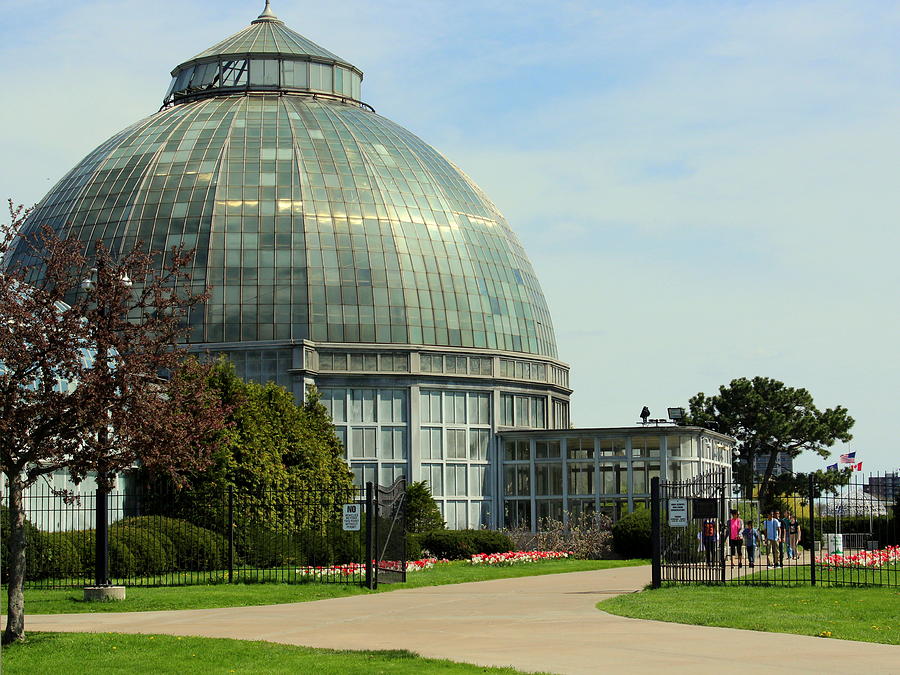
[(496, 559), (350, 569), (516, 557), (863, 559)]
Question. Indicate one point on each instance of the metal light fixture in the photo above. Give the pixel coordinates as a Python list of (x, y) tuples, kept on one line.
[(675, 414)]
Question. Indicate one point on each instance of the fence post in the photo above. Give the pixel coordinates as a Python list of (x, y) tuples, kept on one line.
[(370, 536), (655, 534), (230, 534), (812, 530), (723, 510)]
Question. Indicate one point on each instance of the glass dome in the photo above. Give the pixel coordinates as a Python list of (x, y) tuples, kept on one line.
[(312, 216)]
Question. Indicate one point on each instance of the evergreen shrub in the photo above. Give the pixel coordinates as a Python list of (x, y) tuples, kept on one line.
[(631, 534), (461, 544), (193, 548)]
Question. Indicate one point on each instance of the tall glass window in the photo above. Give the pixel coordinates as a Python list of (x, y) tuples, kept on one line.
[(294, 74), (264, 72)]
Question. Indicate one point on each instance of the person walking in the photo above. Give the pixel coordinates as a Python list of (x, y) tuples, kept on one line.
[(735, 538), (786, 536), (773, 539), (795, 534), (752, 539), (709, 534)]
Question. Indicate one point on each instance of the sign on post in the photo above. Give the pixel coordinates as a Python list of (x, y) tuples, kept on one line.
[(351, 517), (678, 512)]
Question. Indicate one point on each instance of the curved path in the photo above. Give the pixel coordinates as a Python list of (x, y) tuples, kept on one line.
[(545, 623)]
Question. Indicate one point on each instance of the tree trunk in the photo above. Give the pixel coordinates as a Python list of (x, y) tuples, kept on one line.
[(766, 479), (15, 617)]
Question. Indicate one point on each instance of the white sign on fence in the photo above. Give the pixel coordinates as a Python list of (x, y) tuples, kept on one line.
[(351, 517), (678, 513)]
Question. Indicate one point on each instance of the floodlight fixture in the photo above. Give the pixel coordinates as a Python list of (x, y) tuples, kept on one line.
[(676, 414)]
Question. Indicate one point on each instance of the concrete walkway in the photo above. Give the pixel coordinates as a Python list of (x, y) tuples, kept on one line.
[(546, 623)]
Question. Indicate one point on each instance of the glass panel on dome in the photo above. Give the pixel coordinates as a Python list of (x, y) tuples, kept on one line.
[(294, 74), (204, 75), (234, 73), (355, 86), (264, 72), (320, 77), (183, 78)]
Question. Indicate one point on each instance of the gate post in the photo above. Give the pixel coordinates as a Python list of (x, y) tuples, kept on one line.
[(370, 535), (723, 508), (812, 530), (655, 534)]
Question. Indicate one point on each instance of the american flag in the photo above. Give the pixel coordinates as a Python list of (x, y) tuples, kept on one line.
[(849, 458)]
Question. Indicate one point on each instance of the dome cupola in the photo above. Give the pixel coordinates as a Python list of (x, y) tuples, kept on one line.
[(266, 56)]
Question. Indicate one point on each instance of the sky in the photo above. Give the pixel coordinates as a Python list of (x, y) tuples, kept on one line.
[(707, 189)]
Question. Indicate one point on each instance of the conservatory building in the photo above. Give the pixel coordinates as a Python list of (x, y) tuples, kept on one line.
[(345, 253)]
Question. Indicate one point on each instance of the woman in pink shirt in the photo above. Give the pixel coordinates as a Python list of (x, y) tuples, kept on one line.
[(736, 537)]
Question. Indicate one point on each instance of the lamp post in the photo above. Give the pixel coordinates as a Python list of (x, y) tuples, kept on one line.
[(101, 506)]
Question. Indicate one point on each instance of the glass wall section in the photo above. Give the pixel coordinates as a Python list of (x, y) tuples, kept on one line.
[(255, 73), (645, 446), (363, 362), (454, 364), (560, 414), (263, 365), (517, 410), (574, 473), (455, 437), (372, 423)]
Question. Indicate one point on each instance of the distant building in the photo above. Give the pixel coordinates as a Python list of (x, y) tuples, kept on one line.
[(784, 463), (886, 487)]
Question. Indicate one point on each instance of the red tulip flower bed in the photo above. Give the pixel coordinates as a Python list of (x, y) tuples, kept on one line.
[(517, 557), (496, 559), (889, 555)]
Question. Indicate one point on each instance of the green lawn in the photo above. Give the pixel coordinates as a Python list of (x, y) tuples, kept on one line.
[(868, 614), (112, 653), (241, 595), (889, 575)]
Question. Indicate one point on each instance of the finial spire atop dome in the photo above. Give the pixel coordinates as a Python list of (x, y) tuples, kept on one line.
[(267, 15)]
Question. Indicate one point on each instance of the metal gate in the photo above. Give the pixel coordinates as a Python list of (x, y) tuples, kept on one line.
[(386, 533), (848, 535)]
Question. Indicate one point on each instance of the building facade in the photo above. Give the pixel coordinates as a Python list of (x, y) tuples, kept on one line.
[(555, 473)]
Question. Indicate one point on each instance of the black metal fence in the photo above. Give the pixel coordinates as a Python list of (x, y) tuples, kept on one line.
[(711, 531), (168, 539)]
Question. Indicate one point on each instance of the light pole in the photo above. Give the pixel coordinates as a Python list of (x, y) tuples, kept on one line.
[(101, 506)]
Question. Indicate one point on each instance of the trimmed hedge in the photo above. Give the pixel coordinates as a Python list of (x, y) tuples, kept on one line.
[(631, 534), (460, 544), (121, 560), (261, 548), (193, 548), (33, 546), (59, 557), (151, 556)]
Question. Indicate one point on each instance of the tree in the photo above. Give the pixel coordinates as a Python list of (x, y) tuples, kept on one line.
[(767, 418), (80, 385), (422, 512), (271, 448)]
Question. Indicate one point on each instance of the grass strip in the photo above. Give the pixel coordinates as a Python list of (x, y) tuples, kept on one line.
[(867, 614), (113, 653), (145, 599)]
